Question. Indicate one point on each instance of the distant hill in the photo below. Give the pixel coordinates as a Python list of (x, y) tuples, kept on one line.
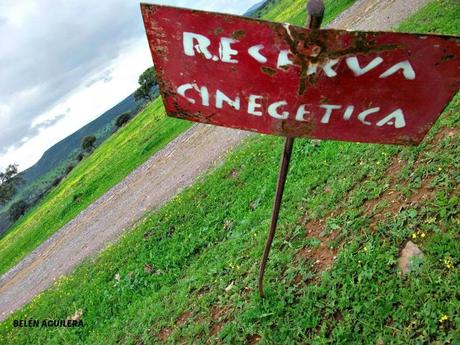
[(101, 127), (253, 9), (260, 9), (39, 177)]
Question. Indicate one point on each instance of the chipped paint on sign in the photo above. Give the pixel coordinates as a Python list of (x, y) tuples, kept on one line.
[(285, 80)]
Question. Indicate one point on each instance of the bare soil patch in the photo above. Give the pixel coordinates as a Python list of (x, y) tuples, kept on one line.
[(323, 255), (164, 334), (183, 318)]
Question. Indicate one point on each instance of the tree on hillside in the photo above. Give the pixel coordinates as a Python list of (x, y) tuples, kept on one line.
[(146, 81), (122, 119), (17, 210), (87, 143), (9, 182)]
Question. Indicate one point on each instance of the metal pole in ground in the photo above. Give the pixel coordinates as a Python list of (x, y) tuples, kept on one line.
[(315, 10)]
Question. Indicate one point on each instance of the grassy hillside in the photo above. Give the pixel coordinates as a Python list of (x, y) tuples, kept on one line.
[(187, 273), (147, 133)]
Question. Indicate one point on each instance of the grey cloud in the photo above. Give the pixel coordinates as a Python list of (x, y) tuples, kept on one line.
[(25, 111), (32, 131), (105, 77), (55, 51), (50, 122)]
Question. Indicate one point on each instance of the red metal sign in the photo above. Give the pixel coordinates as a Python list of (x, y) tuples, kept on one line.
[(285, 80)]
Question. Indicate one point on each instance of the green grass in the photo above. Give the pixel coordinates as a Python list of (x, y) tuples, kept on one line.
[(429, 19), (147, 133), (174, 270)]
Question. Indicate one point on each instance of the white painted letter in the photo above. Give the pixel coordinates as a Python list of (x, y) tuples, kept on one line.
[(225, 50), (253, 105), (353, 64), (397, 116), (328, 68), (182, 89), (254, 51), (283, 59), (221, 98), (201, 47), (301, 112), (273, 110), (365, 113), (204, 96), (405, 66), (328, 113), (348, 112)]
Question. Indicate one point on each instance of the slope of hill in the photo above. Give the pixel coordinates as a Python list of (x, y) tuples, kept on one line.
[(187, 273), (71, 144)]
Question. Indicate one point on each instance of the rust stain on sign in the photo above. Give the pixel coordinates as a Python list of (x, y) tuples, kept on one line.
[(285, 80)]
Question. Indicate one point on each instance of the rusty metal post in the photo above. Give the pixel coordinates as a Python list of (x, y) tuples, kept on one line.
[(285, 159), (315, 9)]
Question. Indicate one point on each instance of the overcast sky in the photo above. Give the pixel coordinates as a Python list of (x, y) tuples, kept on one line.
[(64, 63)]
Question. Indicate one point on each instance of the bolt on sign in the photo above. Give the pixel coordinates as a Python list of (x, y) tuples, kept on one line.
[(377, 87)]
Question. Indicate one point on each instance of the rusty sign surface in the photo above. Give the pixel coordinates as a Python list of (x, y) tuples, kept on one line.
[(285, 80)]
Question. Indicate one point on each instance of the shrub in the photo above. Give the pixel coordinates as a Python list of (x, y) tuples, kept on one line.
[(122, 120), (80, 157), (69, 169), (17, 209), (57, 180)]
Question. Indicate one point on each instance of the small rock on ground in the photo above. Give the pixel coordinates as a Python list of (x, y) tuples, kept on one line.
[(409, 252)]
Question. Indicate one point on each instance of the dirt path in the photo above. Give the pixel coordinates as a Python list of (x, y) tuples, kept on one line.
[(375, 15), (154, 182)]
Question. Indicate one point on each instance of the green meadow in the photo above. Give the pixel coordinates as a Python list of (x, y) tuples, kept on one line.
[(187, 273)]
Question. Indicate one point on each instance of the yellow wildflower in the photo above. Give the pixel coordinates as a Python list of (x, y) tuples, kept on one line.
[(448, 262), (443, 318), (431, 220)]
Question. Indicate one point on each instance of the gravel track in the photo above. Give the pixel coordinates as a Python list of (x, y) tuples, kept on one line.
[(154, 182)]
